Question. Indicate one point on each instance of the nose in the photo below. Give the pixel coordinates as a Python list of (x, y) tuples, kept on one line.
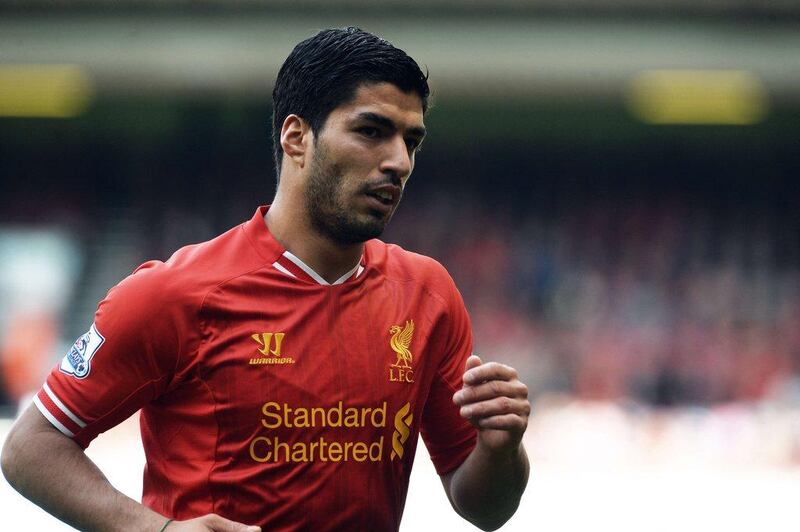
[(397, 160)]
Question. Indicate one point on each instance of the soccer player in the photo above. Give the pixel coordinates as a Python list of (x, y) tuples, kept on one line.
[(285, 368)]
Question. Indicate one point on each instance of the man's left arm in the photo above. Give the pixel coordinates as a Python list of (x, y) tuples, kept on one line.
[(486, 488)]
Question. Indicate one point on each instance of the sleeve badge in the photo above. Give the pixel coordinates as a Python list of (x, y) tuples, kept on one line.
[(77, 362)]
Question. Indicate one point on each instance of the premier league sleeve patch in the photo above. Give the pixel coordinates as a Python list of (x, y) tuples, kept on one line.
[(77, 361)]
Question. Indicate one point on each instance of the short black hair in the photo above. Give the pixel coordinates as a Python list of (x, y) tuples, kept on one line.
[(324, 72)]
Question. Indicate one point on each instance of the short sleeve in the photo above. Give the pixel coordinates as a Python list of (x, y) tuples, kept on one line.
[(126, 359), (449, 437)]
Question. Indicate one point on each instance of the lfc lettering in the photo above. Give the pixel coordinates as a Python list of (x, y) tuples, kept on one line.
[(400, 374)]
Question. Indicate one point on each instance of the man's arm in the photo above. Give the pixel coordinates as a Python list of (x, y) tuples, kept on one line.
[(52, 471), (486, 488)]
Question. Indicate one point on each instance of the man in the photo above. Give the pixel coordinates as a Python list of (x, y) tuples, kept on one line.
[(285, 368)]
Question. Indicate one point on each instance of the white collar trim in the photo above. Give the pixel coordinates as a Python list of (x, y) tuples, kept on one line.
[(317, 277), (283, 270)]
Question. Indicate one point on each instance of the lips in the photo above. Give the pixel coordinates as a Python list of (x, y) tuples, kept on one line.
[(387, 195)]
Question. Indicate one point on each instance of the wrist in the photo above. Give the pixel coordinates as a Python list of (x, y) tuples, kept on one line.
[(488, 446)]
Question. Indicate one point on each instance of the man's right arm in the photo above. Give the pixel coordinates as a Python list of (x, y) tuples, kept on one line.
[(52, 471)]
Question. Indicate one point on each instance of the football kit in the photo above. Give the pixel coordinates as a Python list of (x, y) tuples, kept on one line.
[(268, 395)]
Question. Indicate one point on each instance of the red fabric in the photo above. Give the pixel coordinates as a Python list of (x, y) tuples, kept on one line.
[(223, 420)]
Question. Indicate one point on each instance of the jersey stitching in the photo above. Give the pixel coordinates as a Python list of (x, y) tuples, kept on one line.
[(121, 404), (452, 390), (439, 371), (201, 320), (203, 337), (255, 247), (216, 445)]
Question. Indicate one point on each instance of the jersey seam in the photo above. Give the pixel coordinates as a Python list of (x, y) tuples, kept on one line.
[(119, 406), (452, 390), (439, 371), (216, 446), (425, 288), (255, 247), (201, 320), (203, 337)]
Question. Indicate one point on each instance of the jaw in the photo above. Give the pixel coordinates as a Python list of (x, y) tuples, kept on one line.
[(348, 225)]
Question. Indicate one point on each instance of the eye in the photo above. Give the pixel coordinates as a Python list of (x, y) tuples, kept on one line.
[(413, 145), (369, 132)]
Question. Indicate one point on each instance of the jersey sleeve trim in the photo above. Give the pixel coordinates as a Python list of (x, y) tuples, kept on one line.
[(51, 418), (61, 406)]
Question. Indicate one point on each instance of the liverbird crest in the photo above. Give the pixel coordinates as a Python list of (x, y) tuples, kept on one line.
[(400, 342)]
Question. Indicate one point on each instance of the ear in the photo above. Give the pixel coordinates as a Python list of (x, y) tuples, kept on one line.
[(295, 139)]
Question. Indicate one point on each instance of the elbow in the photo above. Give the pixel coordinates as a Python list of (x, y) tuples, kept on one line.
[(16, 452), (488, 527), (8, 458), (494, 522), (488, 520)]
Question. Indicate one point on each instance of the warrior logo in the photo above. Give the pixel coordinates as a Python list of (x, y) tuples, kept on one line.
[(265, 349), (264, 341)]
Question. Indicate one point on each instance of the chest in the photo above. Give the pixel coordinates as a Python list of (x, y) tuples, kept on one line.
[(308, 358)]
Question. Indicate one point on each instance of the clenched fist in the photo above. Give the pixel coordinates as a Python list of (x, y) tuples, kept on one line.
[(495, 401)]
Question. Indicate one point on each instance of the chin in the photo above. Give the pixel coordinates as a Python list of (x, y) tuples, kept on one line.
[(364, 233), (348, 232)]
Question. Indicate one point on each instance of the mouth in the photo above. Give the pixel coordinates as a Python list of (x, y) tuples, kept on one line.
[(386, 196)]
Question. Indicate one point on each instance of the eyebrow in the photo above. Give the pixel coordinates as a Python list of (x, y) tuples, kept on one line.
[(417, 131)]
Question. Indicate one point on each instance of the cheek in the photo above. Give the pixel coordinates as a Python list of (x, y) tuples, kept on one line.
[(360, 157), (354, 165), (355, 171)]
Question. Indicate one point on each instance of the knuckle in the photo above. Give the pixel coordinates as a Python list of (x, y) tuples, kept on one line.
[(506, 404), (522, 390)]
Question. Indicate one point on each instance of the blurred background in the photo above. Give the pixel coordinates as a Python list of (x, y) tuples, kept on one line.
[(612, 183)]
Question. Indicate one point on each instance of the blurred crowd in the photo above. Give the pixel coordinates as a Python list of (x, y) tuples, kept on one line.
[(661, 301), (656, 301)]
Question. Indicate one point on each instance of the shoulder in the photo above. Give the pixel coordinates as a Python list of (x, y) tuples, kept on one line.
[(190, 273), (400, 264)]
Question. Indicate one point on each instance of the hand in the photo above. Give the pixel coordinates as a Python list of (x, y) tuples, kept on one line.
[(496, 402), (210, 523)]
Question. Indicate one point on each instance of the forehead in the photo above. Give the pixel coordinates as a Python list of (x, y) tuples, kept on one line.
[(405, 108)]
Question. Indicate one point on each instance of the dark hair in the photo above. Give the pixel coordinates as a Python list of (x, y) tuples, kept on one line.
[(324, 72)]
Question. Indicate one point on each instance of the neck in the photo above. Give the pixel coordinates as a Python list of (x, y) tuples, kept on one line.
[(293, 230)]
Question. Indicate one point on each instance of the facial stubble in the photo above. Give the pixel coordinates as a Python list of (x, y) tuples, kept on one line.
[(326, 206)]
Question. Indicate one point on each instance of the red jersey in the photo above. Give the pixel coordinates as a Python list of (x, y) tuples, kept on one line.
[(269, 396)]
